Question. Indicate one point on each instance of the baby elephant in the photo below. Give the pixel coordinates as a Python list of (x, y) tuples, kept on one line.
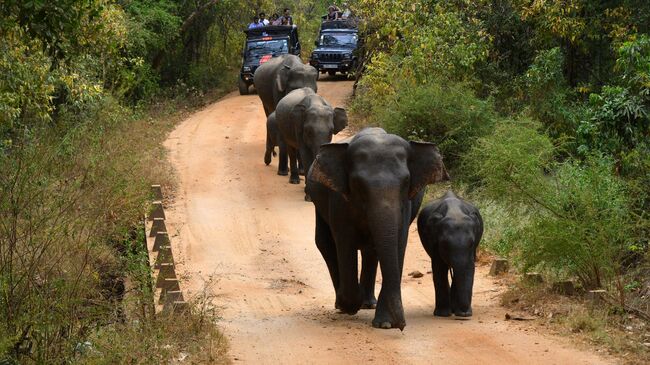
[(450, 229)]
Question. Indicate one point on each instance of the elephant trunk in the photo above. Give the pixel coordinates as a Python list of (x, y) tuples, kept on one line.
[(384, 220)]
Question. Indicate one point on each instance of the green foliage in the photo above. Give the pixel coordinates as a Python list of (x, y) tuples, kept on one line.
[(548, 94), (416, 44), (586, 229), (579, 217), (618, 120), (511, 161), (26, 84), (58, 25), (448, 115)]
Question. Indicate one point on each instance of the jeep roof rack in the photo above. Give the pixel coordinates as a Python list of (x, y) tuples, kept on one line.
[(339, 24), (270, 30)]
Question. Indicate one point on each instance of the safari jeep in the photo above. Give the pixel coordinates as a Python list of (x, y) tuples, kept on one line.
[(261, 45), (335, 47)]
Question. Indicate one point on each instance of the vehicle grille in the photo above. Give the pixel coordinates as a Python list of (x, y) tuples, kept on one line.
[(330, 57)]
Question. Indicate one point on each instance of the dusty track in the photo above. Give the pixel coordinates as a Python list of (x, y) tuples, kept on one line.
[(237, 221)]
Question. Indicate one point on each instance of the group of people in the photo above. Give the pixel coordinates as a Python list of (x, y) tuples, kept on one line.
[(334, 13), (261, 21)]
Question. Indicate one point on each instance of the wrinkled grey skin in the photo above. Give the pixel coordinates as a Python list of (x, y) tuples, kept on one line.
[(281, 75), (367, 191), (450, 230), (272, 140), (305, 121)]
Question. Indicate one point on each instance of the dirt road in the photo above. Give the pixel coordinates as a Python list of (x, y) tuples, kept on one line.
[(235, 221)]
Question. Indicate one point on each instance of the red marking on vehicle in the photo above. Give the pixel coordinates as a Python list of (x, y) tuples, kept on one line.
[(267, 38), (265, 58)]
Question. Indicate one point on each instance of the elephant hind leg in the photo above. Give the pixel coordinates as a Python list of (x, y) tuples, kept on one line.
[(283, 164), (369, 264), (294, 177), (270, 148)]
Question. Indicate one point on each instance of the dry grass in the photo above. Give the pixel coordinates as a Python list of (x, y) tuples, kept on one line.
[(69, 200), (604, 328)]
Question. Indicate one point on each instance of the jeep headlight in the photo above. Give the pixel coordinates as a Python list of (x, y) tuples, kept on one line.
[(347, 56), (314, 56), (247, 69)]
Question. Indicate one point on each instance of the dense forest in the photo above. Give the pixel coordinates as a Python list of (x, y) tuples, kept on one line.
[(540, 108)]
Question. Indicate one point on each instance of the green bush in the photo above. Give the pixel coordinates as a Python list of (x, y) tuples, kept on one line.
[(448, 115), (579, 217), (586, 228), (510, 162)]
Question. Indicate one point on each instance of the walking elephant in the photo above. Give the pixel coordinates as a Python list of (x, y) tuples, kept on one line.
[(367, 191), (279, 76), (305, 121), (450, 230)]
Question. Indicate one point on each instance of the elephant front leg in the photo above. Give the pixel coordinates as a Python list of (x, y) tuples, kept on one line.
[(327, 247), (461, 290), (348, 295), (441, 287), (293, 165), (283, 162), (368, 276)]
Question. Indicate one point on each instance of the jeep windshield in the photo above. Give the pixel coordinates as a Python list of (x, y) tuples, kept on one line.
[(264, 47), (338, 40)]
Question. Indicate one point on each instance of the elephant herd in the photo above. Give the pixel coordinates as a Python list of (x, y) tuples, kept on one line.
[(367, 190)]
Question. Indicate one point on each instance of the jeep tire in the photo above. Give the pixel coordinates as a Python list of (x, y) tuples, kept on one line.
[(243, 87)]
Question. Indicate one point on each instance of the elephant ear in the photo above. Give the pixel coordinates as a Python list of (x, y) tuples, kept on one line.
[(280, 78), (329, 168), (314, 74), (426, 167), (340, 120), (298, 115)]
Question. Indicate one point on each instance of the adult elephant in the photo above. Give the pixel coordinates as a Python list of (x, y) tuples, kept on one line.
[(367, 191), (279, 76), (305, 121)]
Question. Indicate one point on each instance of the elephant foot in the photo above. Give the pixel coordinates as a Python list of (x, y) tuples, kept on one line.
[(463, 314), (382, 325), (442, 312), (301, 171), (346, 307), (267, 158), (369, 304), (283, 172), (294, 180), (388, 325), (383, 320)]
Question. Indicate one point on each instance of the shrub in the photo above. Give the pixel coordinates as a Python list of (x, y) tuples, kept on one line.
[(509, 163), (585, 228), (448, 115), (580, 221)]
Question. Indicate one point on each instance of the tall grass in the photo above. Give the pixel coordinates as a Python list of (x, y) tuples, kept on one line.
[(70, 201)]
